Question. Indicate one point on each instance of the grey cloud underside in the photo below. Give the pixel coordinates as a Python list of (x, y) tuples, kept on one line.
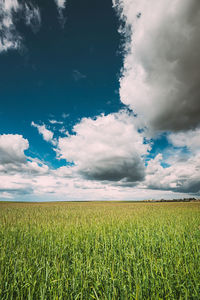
[(182, 184), (182, 177), (182, 110), (25, 169), (115, 169), (20, 191), (10, 159), (190, 186)]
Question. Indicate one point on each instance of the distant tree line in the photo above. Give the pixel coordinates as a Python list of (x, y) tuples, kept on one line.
[(174, 200)]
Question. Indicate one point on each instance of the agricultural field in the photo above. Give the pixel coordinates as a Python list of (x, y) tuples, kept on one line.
[(100, 250)]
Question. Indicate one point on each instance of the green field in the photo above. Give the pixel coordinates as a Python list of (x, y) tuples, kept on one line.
[(99, 250)]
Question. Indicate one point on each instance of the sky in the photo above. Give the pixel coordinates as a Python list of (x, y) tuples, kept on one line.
[(100, 100)]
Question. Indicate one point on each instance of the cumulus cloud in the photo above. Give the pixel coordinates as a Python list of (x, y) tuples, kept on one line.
[(160, 79), (12, 147), (13, 159), (106, 148), (107, 153), (23, 177), (182, 176), (17, 169), (26, 178), (189, 139), (10, 12), (46, 133)]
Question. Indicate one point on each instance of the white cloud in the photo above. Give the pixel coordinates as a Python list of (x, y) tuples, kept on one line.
[(61, 6), (12, 147), (189, 139), (63, 130), (161, 79), (13, 159), (182, 176), (60, 3), (10, 38), (106, 148), (55, 122), (10, 4), (17, 171), (46, 133)]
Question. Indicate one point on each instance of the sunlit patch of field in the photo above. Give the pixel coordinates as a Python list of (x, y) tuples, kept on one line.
[(99, 250)]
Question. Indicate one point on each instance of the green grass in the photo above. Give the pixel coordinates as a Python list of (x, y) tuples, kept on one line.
[(99, 251)]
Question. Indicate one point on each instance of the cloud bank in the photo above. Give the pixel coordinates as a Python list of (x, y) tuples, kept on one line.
[(24, 178)]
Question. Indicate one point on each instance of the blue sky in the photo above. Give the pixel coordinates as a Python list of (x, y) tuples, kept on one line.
[(99, 100), (71, 70)]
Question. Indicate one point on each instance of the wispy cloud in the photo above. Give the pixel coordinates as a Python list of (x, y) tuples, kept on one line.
[(46, 133), (64, 115), (32, 17), (10, 12), (61, 6), (61, 3), (55, 122), (9, 37), (77, 75)]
